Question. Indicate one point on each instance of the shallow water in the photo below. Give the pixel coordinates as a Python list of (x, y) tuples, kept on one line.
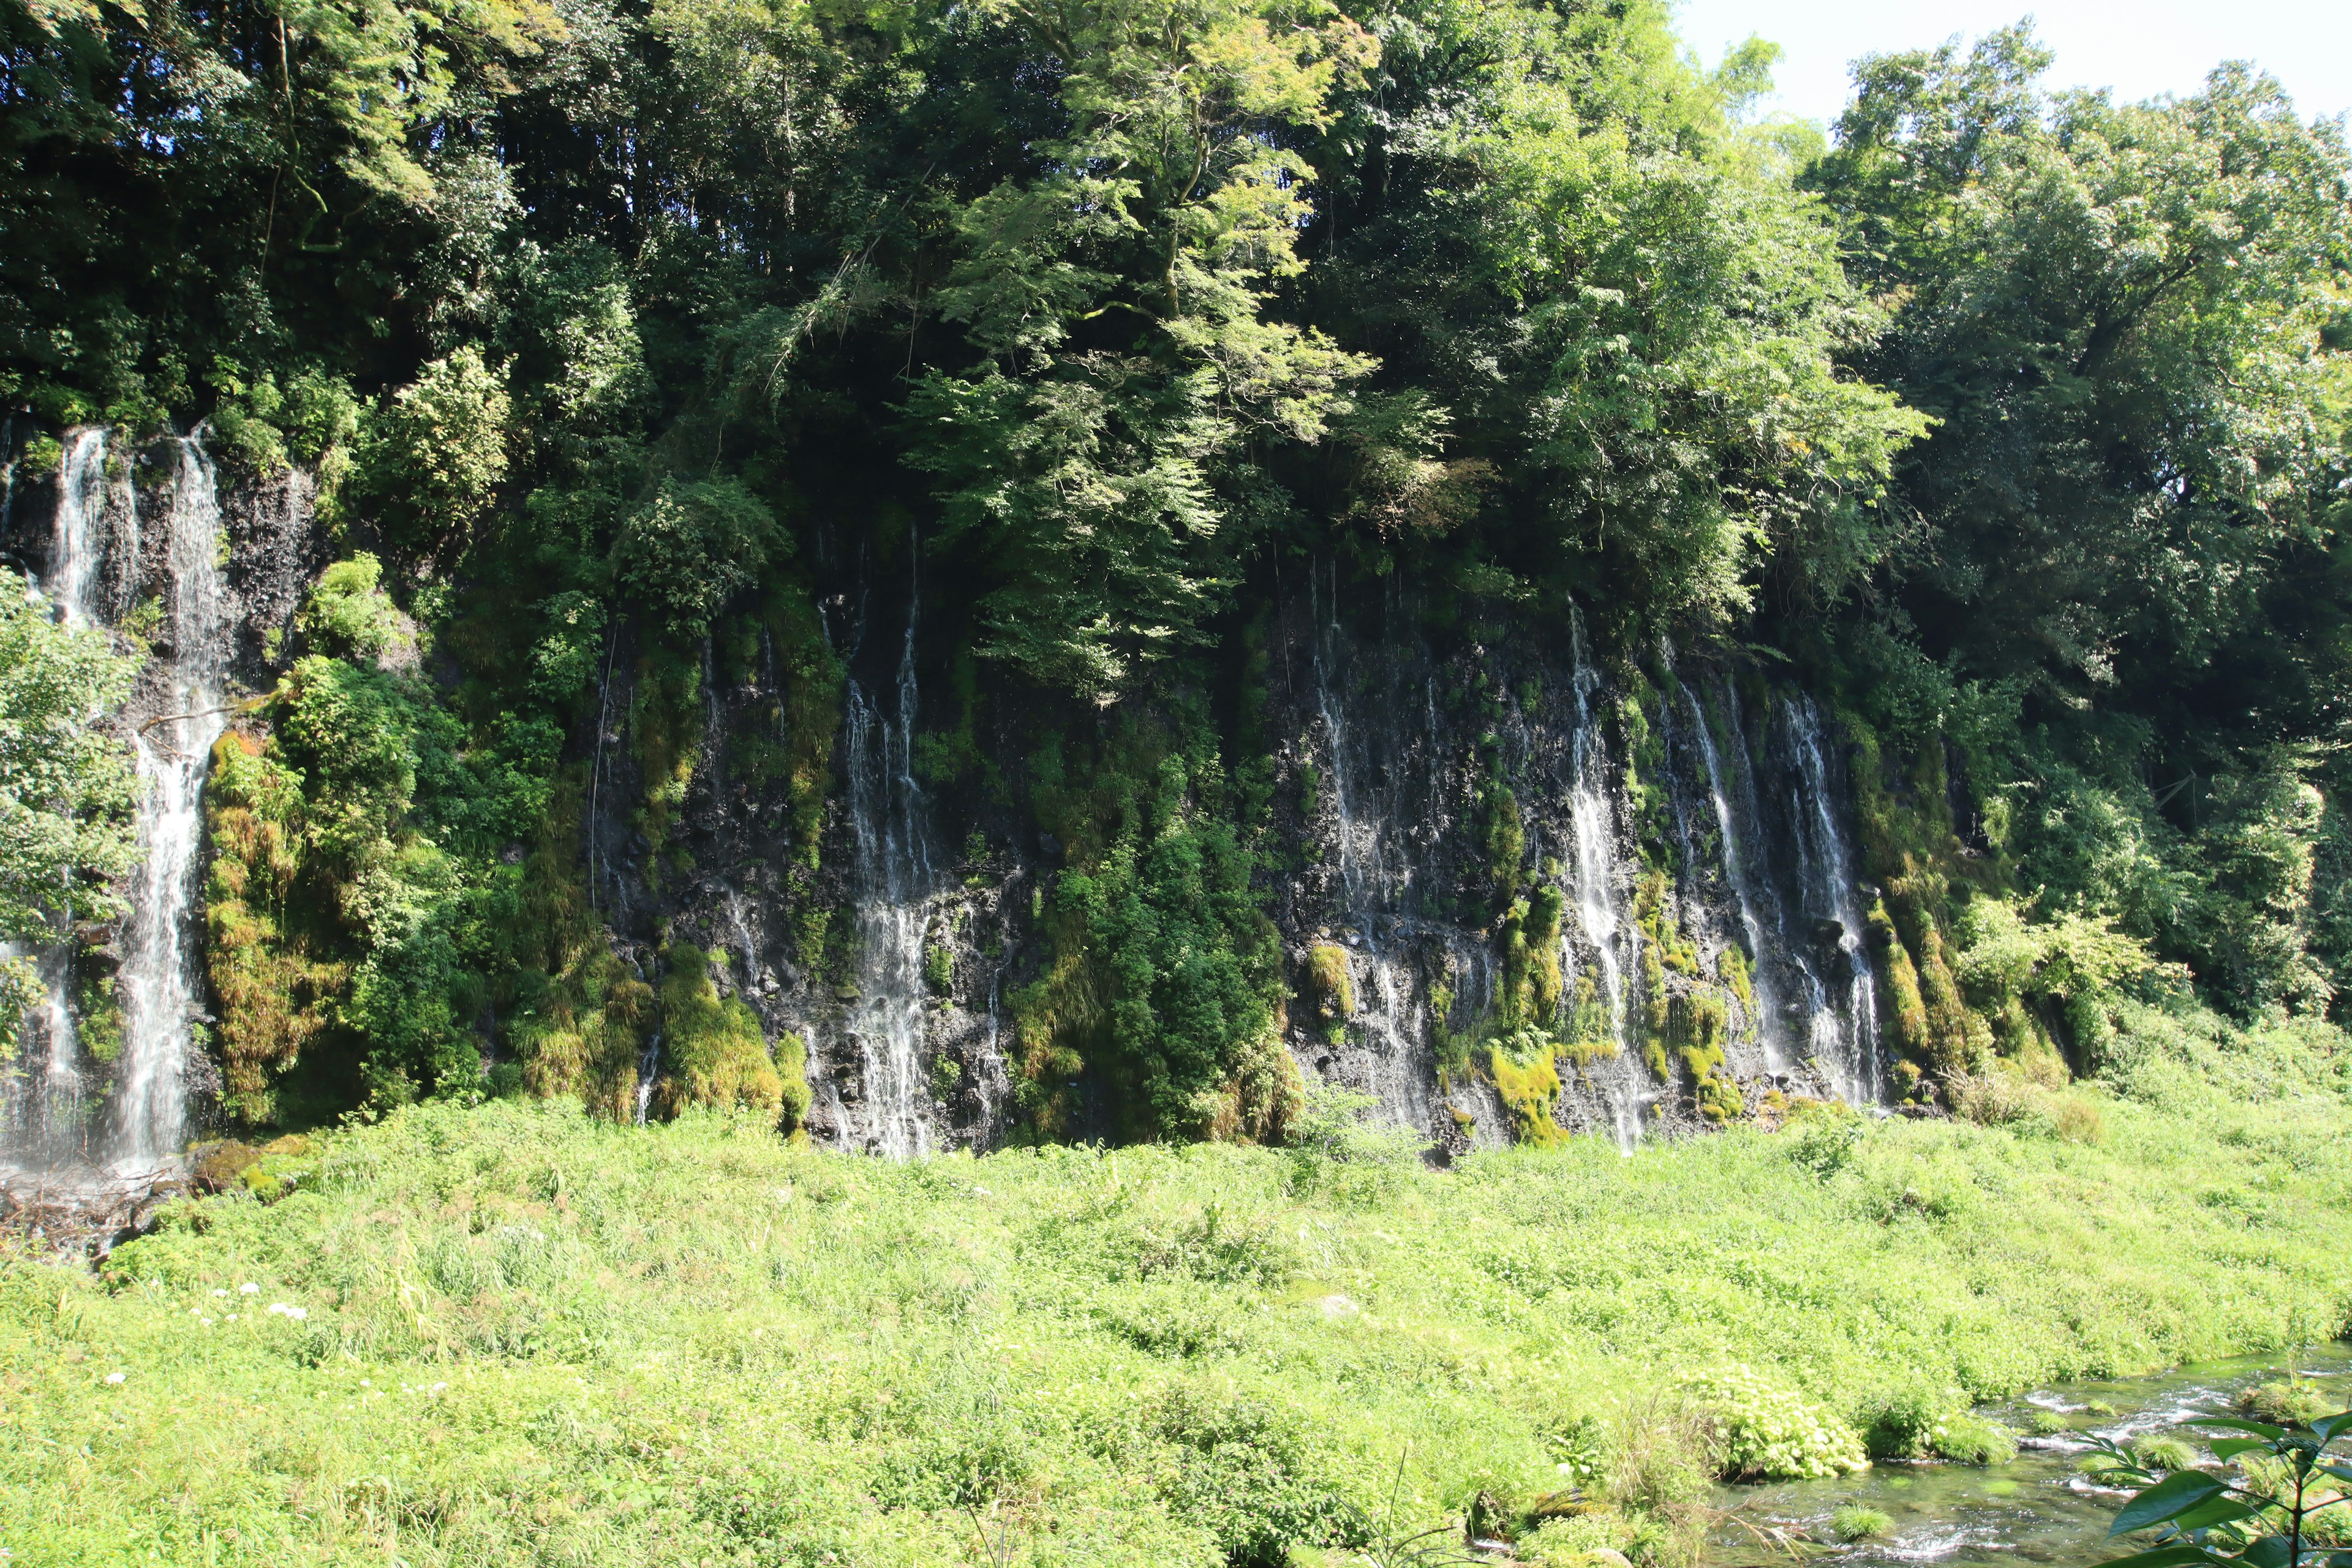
[(2039, 1508)]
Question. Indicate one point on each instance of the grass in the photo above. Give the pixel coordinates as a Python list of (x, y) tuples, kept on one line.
[(533, 1338)]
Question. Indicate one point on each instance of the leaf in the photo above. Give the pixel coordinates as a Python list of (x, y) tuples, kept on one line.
[(2174, 1495), (2163, 1557), (2270, 1552), (2231, 1447), (2328, 1425), (2220, 1510)]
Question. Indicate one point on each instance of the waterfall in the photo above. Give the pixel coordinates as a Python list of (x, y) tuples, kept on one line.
[(44, 1104), (1593, 884), (41, 1106), (648, 1072), (83, 549), (896, 876), (1735, 871), (1788, 945), (1390, 1017), (1846, 1045), (160, 987)]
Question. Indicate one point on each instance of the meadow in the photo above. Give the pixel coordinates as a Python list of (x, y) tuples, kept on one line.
[(509, 1333)]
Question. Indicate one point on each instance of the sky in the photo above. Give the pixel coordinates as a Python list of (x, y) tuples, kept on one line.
[(2138, 49)]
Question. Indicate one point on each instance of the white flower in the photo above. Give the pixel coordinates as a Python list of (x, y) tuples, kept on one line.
[(285, 1309), (437, 1388), (114, 1378), (220, 1292), (249, 1288)]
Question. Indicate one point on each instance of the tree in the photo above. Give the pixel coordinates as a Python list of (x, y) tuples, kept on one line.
[(66, 786)]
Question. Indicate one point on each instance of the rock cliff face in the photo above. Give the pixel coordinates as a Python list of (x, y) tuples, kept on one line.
[(205, 569), (1643, 862), (1524, 885)]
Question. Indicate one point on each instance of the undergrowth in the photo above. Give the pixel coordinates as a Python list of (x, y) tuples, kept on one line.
[(514, 1333)]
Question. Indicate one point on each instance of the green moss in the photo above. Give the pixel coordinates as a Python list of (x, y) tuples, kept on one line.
[(1504, 839), (939, 969), (1732, 968), (716, 1052), (1528, 1080), (814, 681), (1531, 974), (1330, 990)]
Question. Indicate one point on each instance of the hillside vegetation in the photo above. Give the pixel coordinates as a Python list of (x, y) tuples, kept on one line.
[(519, 1335), (626, 344)]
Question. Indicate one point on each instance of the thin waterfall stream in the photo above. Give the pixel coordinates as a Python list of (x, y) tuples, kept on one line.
[(1391, 1016), (1735, 871), (897, 874), (1849, 1045), (1594, 886)]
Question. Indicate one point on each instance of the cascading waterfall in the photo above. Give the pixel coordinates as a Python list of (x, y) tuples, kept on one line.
[(94, 573), (1594, 886), (1788, 943), (1848, 1050), (896, 876), (1736, 872), (1391, 1016), (159, 981)]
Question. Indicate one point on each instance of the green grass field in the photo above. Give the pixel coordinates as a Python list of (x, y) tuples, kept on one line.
[(519, 1336)]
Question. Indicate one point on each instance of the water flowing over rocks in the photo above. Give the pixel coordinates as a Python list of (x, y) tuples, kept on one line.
[(149, 541), (1672, 833)]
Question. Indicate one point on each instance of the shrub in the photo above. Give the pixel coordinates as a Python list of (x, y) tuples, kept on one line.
[(1574, 1542), (716, 1048), (1970, 1439), (2279, 1404), (1764, 1432)]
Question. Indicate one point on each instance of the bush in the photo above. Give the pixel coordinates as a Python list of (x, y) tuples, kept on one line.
[(1970, 1439), (2279, 1404), (1764, 1432)]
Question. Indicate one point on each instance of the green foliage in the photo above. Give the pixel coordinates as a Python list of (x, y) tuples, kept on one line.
[(432, 457), (1166, 973), (64, 780), (694, 547), (716, 1054), (2270, 1503), (1853, 1521), (347, 614), (1167, 1314), (1767, 1431), (1532, 983), (1330, 990)]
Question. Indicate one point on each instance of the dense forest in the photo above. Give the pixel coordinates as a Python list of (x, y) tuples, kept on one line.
[(2011, 424)]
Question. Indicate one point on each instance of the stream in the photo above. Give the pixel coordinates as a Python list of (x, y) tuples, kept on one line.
[(2039, 1508)]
